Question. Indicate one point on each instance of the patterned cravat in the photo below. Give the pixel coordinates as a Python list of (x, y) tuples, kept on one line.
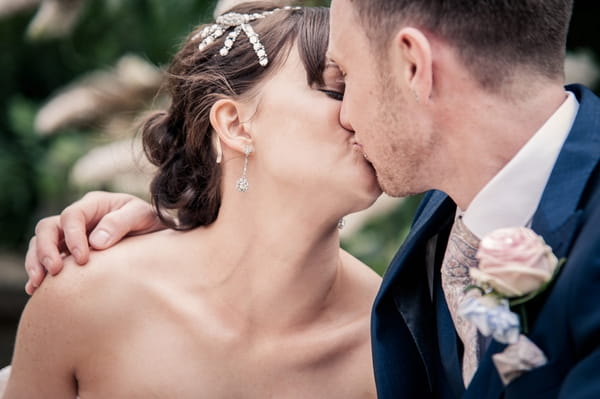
[(459, 257)]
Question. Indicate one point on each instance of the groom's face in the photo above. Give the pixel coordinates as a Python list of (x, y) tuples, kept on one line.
[(377, 106)]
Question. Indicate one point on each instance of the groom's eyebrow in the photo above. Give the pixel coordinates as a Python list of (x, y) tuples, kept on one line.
[(330, 63)]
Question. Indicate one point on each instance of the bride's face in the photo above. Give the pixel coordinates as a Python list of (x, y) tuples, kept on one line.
[(301, 145)]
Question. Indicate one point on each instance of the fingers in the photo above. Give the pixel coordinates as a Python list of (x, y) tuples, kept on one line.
[(46, 246), (67, 233), (35, 271), (110, 215), (29, 288), (81, 216), (74, 225), (134, 217)]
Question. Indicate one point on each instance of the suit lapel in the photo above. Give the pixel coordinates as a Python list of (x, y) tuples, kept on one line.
[(438, 206), (558, 216), (559, 238), (406, 279)]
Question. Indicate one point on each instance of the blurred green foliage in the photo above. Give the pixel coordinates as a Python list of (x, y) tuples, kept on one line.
[(33, 168), (377, 241)]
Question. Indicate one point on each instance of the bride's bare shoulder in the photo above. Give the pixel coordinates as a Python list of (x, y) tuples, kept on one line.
[(73, 315), (111, 280)]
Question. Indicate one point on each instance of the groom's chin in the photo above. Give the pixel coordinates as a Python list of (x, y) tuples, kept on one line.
[(395, 188)]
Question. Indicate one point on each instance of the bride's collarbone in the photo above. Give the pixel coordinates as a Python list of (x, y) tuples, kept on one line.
[(179, 340), (212, 335)]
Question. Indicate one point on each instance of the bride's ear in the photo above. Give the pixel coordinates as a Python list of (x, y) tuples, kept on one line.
[(226, 120)]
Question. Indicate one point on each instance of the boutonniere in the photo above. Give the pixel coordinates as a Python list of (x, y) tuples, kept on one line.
[(515, 266)]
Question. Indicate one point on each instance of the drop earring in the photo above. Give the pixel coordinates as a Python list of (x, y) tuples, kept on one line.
[(216, 143), (242, 182)]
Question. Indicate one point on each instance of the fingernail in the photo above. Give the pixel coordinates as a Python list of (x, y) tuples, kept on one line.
[(99, 238), (47, 262)]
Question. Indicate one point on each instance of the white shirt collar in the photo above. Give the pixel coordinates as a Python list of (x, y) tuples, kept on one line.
[(511, 197)]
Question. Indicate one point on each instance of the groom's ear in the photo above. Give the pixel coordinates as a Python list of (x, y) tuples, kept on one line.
[(226, 118), (413, 51)]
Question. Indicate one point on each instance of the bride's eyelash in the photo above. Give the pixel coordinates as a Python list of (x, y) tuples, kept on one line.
[(336, 95)]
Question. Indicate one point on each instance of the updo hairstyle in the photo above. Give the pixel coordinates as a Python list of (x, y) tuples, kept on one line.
[(186, 189)]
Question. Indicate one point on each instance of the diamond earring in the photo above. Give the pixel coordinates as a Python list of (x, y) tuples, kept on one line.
[(341, 223), (242, 182)]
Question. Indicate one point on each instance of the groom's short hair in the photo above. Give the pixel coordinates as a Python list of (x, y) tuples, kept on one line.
[(491, 36)]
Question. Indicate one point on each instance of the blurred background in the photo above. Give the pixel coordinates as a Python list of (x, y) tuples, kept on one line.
[(75, 76)]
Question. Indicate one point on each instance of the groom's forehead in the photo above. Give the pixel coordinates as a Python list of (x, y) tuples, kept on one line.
[(344, 27)]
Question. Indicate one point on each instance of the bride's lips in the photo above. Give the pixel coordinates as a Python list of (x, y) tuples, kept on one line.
[(361, 149)]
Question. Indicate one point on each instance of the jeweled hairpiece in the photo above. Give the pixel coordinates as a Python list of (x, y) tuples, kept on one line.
[(239, 22)]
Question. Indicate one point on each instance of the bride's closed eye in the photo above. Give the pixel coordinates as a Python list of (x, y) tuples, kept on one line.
[(336, 95), (333, 81)]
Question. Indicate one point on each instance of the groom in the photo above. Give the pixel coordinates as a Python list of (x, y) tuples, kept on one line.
[(467, 98), (464, 100)]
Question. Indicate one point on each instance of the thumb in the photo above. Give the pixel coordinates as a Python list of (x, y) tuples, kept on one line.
[(134, 217)]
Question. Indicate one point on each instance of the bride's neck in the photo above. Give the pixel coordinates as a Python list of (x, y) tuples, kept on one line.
[(279, 267)]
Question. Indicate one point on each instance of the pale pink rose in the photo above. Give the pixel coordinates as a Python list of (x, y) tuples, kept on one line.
[(514, 261)]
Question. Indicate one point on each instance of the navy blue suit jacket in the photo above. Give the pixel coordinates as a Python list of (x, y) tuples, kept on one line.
[(415, 348)]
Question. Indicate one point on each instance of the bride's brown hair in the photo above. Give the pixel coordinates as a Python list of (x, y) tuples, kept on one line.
[(178, 141)]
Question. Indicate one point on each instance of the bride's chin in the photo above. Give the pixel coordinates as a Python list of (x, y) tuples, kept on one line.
[(375, 189), (372, 189), (365, 199), (367, 165)]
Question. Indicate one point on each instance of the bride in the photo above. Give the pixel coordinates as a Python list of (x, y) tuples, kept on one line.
[(249, 294)]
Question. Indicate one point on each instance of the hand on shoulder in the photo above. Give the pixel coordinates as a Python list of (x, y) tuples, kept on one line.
[(106, 217)]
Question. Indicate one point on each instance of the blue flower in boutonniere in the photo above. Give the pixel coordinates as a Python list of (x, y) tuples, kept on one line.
[(515, 265)]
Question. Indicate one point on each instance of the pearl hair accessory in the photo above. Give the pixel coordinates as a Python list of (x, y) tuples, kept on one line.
[(239, 22)]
